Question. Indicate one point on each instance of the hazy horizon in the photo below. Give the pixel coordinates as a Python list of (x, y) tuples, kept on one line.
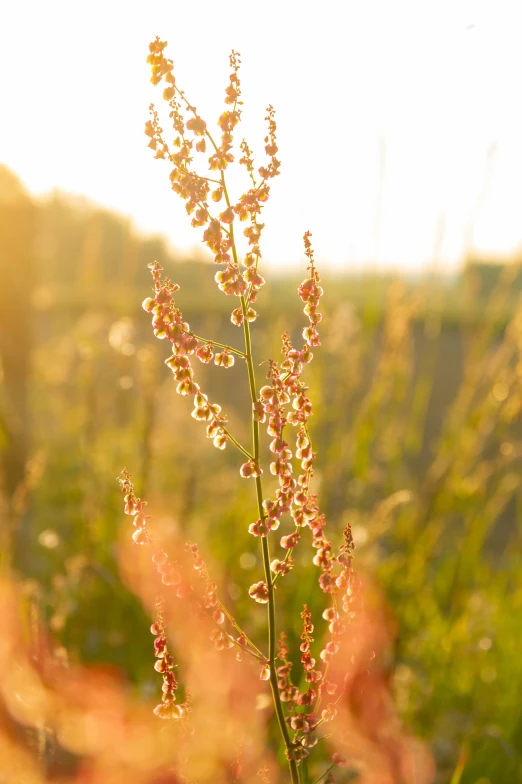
[(398, 127)]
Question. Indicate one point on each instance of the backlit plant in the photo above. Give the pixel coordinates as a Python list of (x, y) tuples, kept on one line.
[(306, 702)]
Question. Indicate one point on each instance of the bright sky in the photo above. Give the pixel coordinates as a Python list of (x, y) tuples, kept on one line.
[(400, 128)]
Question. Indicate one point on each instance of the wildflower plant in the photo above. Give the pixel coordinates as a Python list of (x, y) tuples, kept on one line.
[(304, 702)]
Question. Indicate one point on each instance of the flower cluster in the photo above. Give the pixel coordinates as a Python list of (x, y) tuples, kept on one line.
[(170, 576), (167, 322), (168, 708), (302, 722), (289, 692), (306, 721), (205, 601), (168, 571), (310, 292), (229, 119), (285, 387), (250, 469), (259, 592), (211, 413), (323, 557), (209, 598), (311, 675), (346, 579), (344, 583), (270, 407), (210, 604), (184, 180), (272, 169), (196, 189), (135, 507)]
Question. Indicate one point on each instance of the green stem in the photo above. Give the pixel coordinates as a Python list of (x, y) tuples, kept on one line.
[(278, 705), (238, 628), (318, 779), (257, 656), (266, 562), (236, 443), (285, 559), (221, 345)]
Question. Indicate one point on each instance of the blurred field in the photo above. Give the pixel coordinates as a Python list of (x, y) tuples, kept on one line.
[(418, 397)]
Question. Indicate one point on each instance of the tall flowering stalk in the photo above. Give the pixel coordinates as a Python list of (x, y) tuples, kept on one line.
[(281, 405)]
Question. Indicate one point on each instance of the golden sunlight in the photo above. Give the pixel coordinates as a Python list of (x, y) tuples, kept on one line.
[(398, 122)]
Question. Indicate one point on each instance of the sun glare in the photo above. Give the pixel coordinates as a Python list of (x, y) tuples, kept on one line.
[(395, 119)]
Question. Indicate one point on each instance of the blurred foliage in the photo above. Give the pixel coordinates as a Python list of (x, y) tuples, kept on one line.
[(417, 392)]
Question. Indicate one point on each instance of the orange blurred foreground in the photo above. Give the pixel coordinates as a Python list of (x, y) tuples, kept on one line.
[(62, 722)]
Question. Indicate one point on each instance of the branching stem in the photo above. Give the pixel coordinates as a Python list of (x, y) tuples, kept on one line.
[(236, 443), (278, 705), (221, 345), (266, 562), (319, 778)]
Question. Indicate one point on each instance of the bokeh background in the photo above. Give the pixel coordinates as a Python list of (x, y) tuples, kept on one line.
[(417, 387)]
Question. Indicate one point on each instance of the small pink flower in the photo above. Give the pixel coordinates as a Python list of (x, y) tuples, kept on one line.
[(228, 215), (341, 760), (299, 723), (205, 353), (220, 441), (264, 673), (290, 541), (250, 469), (168, 710), (327, 583), (172, 577), (330, 614), (130, 502), (259, 413), (328, 687), (160, 646), (190, 344), (272, 508), (259, 592), (306, 355), (259, 528), (187, 388), (311, 336), (213, 429), (237, 317), (202, 413), (308, 697), (289, 694), (282, 567), (224, 359), (141, 536)]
